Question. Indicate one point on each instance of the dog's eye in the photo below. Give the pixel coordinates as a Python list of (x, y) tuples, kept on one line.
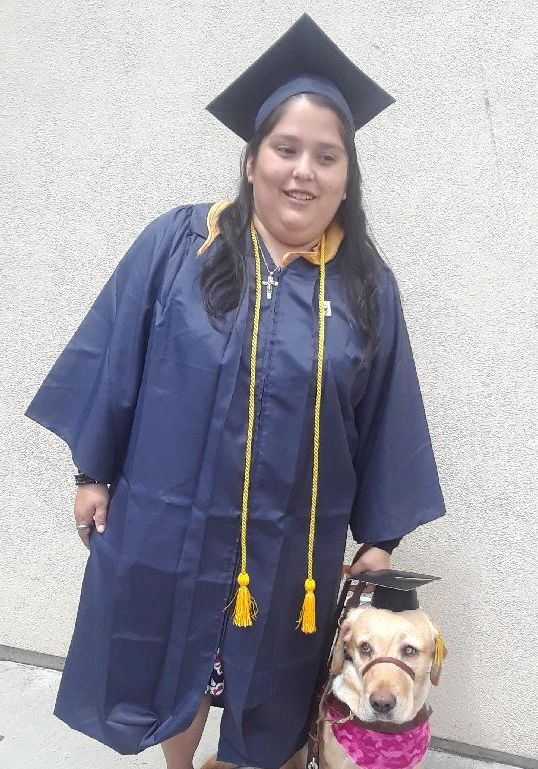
[(365, 648), (410, 651)]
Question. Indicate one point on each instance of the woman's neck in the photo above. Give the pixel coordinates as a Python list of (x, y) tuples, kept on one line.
[(276, 248)]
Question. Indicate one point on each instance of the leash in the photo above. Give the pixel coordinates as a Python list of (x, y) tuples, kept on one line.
[(340, 613), (323, 682)]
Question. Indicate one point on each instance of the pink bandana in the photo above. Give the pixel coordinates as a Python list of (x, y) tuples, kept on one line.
[(374, 750)]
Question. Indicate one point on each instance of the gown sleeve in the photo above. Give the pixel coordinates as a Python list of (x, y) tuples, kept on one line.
[(397, 482), (89, 397)]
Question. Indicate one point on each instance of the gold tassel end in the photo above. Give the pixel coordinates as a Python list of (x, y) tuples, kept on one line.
[(439, 653), (307, 617), (246, 609)]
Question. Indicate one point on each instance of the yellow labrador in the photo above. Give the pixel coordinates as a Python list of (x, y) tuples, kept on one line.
[(382, 667)]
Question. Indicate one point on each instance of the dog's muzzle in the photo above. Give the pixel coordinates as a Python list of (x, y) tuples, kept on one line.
[(394, 661)]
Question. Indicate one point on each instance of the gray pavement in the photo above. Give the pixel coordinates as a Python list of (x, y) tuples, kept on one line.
[(33, 737)]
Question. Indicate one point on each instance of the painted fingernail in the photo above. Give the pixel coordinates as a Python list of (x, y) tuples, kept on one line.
[(100, 528)]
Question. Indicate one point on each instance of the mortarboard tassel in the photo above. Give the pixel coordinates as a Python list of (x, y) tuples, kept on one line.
[(439, 652)]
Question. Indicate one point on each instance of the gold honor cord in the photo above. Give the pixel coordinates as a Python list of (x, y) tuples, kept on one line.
[(246, 609), (307, 617)]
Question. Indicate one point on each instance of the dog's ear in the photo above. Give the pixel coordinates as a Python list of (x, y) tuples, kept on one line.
[(344, 636), (439, 654)]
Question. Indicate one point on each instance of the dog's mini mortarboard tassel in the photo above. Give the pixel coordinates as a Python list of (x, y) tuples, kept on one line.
[(439, 653)]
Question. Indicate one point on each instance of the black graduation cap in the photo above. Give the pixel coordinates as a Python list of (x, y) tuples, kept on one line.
[(303, 50), (395, 590)]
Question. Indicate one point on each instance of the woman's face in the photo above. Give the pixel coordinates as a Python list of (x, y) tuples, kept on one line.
[(299, 174)]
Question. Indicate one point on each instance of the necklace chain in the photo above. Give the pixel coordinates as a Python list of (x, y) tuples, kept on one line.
[(276, 267)]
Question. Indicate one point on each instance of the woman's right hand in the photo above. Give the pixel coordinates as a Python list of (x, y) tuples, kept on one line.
[(91, 505)]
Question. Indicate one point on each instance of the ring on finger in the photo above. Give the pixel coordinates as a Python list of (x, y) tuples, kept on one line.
[(84, 526)]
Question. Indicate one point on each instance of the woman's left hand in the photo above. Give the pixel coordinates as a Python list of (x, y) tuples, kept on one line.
[(372, 560)]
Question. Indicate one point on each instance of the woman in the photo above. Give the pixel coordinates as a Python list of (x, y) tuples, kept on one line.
[(244, 383)]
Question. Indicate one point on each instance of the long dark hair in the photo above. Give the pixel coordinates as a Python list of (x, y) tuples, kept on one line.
[(223, 279)]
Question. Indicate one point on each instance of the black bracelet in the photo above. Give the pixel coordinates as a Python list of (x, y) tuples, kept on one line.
[(389, 545), (81, 479)]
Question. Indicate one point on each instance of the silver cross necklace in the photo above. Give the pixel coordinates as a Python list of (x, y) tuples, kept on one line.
[(270, 283)]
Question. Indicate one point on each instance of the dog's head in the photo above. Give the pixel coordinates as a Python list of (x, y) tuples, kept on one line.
[(385, 691)]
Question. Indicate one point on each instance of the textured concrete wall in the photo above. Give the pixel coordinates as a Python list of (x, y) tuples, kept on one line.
[(102, 128)]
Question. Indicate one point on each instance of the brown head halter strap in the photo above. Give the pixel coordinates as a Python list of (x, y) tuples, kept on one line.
[(394, 661)]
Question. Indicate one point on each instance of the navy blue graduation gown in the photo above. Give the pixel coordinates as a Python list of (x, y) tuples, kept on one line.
[(152, 400)]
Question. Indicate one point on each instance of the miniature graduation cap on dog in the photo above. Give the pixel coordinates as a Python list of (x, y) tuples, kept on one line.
[(395, 590), (303, 60)]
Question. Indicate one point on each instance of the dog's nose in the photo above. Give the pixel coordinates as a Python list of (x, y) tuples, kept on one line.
[(382, 703)]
